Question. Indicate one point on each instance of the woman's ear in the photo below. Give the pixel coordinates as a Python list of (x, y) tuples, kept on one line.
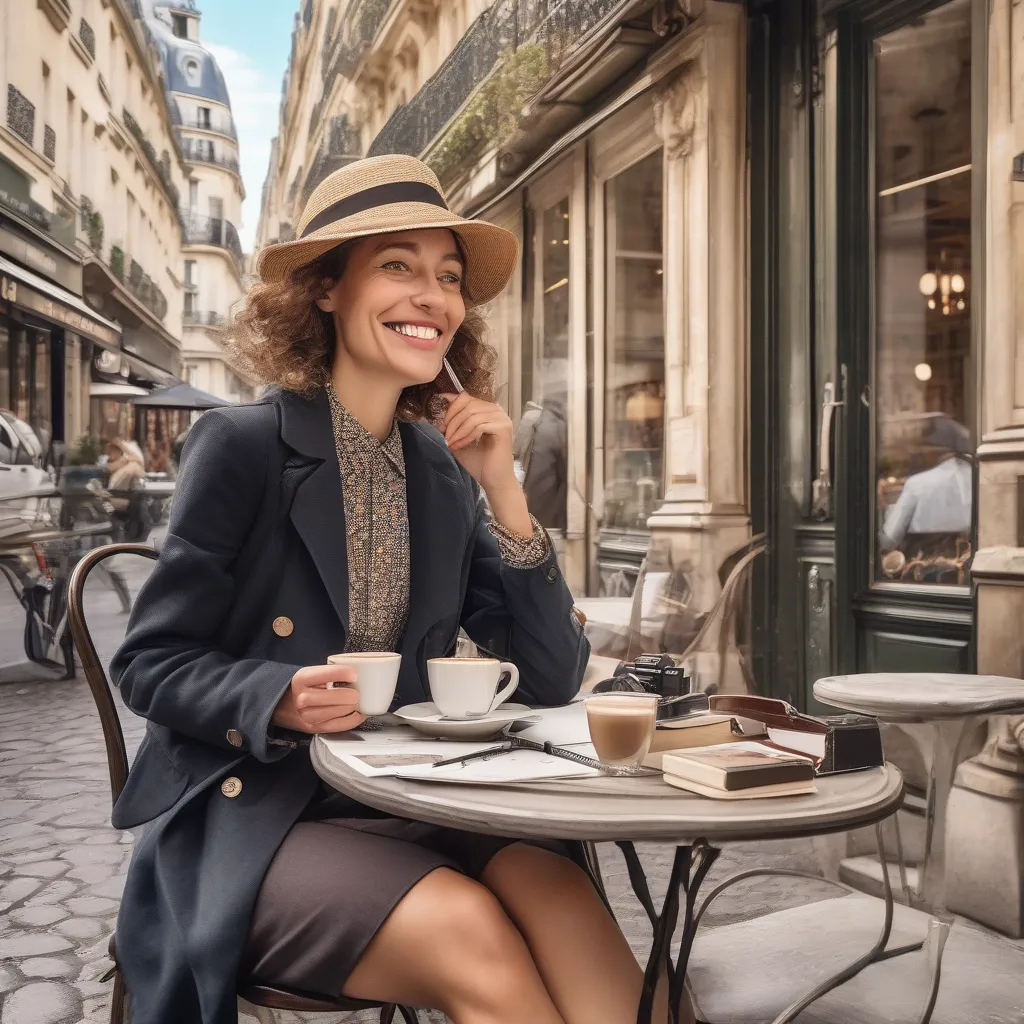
[(326, 300)]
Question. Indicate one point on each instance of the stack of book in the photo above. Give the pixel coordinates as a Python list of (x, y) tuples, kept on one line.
[(739, 770)]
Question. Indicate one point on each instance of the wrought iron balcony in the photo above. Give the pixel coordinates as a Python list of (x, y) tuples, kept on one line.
[(200, 230), (341, 145), (204, 151), (220, 125), (130, 273), (207, 318), (503, 60), (352, 37)]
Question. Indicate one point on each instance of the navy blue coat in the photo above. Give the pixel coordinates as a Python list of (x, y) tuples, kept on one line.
[(257, 532)]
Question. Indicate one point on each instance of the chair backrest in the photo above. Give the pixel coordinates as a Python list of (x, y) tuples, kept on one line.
[(95, 674)]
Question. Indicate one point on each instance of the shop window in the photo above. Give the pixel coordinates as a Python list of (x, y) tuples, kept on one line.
[(924, 300), (545, 377), (635, 346)]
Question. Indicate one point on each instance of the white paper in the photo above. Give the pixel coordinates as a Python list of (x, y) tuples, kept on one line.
[(563, 726), (517, 766), (384, 753)]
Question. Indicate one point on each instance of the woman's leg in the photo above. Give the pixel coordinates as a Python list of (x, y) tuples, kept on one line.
[(580, 952), (449, 945)]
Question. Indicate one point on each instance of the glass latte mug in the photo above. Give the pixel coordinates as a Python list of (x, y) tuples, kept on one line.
[(621, 728)]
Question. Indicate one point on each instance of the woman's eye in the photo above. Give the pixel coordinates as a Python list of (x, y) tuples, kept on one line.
[(395, 265), (451, 278)]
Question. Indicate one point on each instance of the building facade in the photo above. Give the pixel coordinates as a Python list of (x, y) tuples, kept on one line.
[(99, 165), (87, 151), (214, 273)]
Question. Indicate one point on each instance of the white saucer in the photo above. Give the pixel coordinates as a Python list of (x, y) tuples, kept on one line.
[(427, 719)]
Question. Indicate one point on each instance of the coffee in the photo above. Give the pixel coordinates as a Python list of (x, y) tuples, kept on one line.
[(468, 687), (376, 677), (621, 727)]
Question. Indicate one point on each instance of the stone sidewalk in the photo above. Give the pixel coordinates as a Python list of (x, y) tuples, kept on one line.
[(62, 867)]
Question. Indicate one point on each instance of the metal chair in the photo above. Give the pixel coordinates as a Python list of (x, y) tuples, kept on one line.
[(256, 995)]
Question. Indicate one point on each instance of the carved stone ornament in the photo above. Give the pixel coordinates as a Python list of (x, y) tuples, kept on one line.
[(1004, 748), (680, 111), (671, 16)]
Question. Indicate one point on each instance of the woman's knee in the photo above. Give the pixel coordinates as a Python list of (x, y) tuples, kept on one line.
[(452, 940), (523, 869)]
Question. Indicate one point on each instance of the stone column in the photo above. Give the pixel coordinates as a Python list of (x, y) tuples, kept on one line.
[(700, 112), (985, 832), (985, 837)]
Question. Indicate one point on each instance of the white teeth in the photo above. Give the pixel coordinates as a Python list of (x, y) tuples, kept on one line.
[(415, 331)]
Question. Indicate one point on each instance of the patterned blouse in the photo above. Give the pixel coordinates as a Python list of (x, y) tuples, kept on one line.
[(377, 527)]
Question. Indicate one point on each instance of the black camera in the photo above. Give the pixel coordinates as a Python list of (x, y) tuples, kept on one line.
[(655, 673)]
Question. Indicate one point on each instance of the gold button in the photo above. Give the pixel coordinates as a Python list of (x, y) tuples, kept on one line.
[(231, 787), (234, 737), (283, 626)]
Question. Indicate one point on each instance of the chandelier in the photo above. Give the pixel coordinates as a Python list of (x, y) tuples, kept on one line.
[(944, 289)]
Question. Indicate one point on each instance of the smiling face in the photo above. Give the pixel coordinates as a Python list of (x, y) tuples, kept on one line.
[(397, 306)]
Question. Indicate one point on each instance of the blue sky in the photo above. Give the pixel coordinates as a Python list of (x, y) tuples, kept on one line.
[(251, 40)]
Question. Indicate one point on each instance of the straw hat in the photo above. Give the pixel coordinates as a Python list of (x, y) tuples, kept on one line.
[(391, 193)]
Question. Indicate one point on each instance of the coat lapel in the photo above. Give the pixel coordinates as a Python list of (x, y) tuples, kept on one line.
[(318, 510)]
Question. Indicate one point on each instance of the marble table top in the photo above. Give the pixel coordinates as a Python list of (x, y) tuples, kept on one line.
[(922, 696), (608, 808)]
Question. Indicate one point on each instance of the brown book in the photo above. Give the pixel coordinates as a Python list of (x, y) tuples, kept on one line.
[(735, 767), (695, 731)]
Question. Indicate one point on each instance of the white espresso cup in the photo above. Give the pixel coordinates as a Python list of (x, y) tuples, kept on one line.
[(468, 687), (376, 678)]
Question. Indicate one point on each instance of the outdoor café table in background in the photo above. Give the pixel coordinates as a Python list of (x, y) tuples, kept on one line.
[(628, 810)]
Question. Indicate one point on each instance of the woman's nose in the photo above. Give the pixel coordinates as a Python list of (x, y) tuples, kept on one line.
[(431, 295)]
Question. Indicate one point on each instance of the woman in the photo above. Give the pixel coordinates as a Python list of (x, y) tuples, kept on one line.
[(125, 468), (330, 517)]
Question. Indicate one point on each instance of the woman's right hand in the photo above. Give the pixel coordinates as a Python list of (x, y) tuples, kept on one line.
[(310, 705)]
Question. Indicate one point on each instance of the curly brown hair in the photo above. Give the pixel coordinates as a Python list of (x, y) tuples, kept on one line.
[(280, 336)]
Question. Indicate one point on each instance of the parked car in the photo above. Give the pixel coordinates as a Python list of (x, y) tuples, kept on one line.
[(22, 457)]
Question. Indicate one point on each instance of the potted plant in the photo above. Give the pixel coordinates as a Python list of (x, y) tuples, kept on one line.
[(82, 462)]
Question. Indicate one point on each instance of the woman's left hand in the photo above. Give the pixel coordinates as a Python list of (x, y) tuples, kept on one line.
[(479, 435)]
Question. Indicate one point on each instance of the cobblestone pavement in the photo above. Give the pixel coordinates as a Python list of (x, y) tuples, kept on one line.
[(62, 866)]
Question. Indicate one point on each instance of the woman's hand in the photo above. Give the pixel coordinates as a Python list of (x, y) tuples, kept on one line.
[(479, 435), (311, 705)]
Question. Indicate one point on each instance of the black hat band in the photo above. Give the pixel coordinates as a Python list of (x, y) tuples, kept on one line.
[(378, 195)]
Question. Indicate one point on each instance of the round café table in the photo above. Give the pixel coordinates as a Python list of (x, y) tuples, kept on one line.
[(628, 810), (937, 711)]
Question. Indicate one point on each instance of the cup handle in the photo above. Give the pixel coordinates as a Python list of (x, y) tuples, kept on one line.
[(507, 669)]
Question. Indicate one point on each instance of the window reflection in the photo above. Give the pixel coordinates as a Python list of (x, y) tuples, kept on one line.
[(635, 347), (923, 438)]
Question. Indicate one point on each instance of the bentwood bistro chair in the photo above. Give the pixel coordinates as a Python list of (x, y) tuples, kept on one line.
[(260, 998)]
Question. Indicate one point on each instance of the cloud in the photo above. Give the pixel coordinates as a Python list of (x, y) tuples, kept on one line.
[(255, 100)]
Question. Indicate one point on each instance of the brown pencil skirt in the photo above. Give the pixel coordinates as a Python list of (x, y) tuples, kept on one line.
[(336, 877)]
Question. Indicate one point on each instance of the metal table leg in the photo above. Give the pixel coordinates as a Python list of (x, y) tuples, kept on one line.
[(689, 868)]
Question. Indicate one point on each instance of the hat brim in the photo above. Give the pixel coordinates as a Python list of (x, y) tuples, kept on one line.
[(491, 252)]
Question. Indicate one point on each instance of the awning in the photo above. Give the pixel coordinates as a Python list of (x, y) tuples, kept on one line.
[(116, 392), (181, 396), (149, 372), (23, 288)]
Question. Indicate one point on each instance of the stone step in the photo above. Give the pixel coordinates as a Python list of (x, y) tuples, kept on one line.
[(748, 972), (865, 875)]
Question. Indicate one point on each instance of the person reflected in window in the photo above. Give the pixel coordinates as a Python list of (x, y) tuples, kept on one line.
[(933, 513), (544, 453)]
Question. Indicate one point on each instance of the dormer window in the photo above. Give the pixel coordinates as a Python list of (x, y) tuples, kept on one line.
[(179, 25), (192, 71)]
